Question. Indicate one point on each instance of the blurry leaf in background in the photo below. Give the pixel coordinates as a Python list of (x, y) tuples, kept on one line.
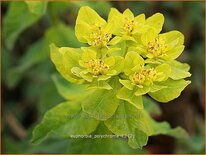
[(52, 145), (165, 129), (37, 7), (196, 144), (5, 62), (16, 20), (151, 106), (68, 90), (62, 35), (198, 66), (195, 13), (140, 7), (36, 53), (48, 98), (102, 8)]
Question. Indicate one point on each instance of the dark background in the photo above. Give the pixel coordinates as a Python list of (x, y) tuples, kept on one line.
[(28, 90)]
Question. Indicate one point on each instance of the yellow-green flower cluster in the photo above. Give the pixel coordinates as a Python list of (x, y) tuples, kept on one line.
[(130, 48)]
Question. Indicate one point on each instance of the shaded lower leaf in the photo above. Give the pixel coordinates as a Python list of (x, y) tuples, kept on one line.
[(129, 96), (138, 125), (102, 138), (69, 90), (165, 129), (64, 120), (127, 121), (151, 106), (102, 104), (138, 140)]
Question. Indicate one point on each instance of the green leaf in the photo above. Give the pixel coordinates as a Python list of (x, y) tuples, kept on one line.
[(97, 145), (115, 40), (125, 123), (66, 119), (62, 35), (37, 7), (151, 106), (16, 20), (156, 128), (138, 140), (127, 83), (127, 120), (142, 91), (179, 70), (129, 96), (36, 53), (6, 61), (173, 90), (99, 85), (44, 102), (165, 129), (101, 104), (67, 90), (118, 65)]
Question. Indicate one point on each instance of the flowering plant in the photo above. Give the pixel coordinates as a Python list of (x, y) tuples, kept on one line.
[(126, 60)]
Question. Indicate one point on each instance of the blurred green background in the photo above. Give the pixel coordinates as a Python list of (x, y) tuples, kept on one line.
[(28, 89)]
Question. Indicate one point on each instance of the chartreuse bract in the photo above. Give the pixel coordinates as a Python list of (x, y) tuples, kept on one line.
[(126, 60)]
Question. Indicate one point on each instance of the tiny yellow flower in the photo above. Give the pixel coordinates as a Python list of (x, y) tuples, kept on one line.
[(157, 47), (165, 46), (97, 66), (99, 37)]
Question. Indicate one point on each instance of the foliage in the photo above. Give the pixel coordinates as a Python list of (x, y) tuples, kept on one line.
[(113, 78), (31, 86)]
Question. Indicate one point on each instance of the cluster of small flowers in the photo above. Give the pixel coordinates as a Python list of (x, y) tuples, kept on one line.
[(128, 47)]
